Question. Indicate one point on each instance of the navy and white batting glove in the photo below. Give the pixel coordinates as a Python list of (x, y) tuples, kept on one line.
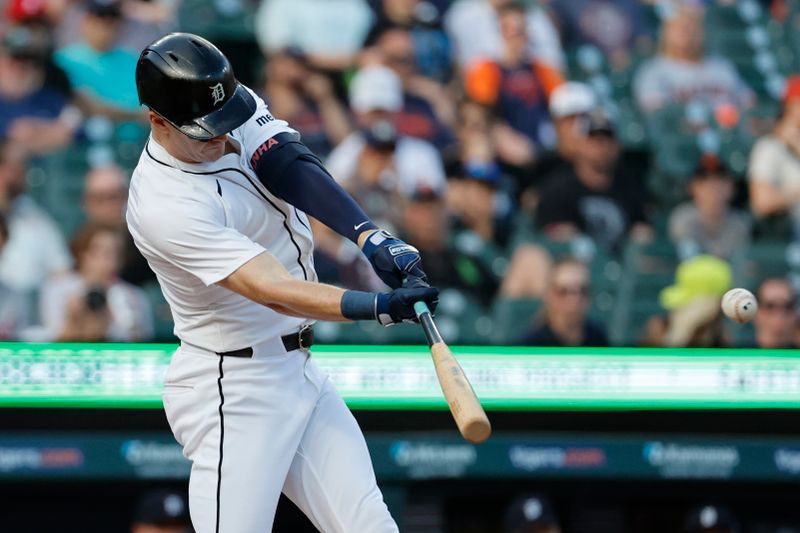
[(392, 259), (398, 306), (388, 308)]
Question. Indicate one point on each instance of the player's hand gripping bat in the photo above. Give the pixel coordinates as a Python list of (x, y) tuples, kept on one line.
[(470, 417)]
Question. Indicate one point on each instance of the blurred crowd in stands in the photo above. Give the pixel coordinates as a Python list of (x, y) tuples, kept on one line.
[(161, 510), (166, 511), (573, 172)]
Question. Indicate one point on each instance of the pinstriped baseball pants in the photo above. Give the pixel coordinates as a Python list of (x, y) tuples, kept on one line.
[(256, 427)]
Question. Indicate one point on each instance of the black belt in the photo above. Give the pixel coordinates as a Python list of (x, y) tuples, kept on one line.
[(302, 340)]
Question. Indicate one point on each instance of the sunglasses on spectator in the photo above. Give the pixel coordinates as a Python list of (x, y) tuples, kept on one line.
[(107, 196), (785, 306), (579, 290), (403, 60)]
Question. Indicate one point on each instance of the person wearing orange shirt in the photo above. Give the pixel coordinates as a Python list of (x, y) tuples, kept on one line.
[(518, 88)]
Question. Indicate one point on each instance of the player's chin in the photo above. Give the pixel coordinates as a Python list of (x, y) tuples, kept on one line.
[(213, 150)]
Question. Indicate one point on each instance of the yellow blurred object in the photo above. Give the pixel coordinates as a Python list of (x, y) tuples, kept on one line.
[(704, 275)]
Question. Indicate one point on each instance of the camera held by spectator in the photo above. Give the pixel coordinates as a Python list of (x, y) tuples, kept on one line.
[(92, 303)]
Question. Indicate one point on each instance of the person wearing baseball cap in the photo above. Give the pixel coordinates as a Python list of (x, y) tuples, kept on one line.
[(693, 303), (36, 111), (568, 103), (531, 514), (594, 194), (162, 511), (376, 98), (708, 223), (98, 67), (710, 519)]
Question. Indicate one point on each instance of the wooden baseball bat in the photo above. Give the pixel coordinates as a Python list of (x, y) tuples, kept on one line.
[(470, 417)]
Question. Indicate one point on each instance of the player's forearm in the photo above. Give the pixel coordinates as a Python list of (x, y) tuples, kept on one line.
[(264, 279), (306, 299)]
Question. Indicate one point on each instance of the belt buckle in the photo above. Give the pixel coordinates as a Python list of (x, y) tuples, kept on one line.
[(300, 337)]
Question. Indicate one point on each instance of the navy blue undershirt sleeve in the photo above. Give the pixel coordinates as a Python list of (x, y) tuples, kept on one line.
[(294, 174)]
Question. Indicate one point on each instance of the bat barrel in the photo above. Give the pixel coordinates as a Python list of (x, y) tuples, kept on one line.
[(467, 412), (476, 429), (472, 422)]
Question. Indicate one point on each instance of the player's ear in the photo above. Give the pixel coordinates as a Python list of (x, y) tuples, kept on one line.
[(157, 122)]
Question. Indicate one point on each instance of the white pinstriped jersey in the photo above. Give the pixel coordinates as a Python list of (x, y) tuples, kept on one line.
[(198, 223)]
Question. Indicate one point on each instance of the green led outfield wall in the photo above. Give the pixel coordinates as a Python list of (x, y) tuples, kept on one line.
[(402, 377)]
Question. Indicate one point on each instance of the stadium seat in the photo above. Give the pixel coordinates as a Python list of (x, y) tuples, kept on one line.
[(218, 19), (512, 317), (56, 183), (646, 270)]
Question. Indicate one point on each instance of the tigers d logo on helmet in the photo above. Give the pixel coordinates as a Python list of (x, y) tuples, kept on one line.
[(217, 93)]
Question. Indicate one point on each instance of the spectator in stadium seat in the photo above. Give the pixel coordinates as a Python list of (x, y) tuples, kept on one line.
[(693, 304), (91, 303), (423, 20), (162, 511), (472, 176), (306, 99), (375, 163), (617, 28), (473, 198), (36, 248), (566, 303), (105, 195), (36, 113), (710, 519), (143, 21), (474, 32), (774, 171), (776, 318), (428, 112), (329, 32), (594, 195), (531, 514), (682, 72), (519, 89), (479, 225), (475, 142), (14, 307), (707, 224), (425, 223), (569, 103), (101, 71)]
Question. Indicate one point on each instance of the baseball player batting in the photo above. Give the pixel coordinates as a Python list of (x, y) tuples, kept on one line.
[(218, 206)]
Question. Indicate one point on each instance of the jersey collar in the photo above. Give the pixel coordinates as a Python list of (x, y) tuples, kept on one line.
[(161, 156)]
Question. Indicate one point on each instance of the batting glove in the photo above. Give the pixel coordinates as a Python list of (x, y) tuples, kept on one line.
[(392, 259), (398, 306)]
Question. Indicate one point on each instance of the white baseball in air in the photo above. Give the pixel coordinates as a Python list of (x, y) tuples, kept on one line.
[(739, 305)]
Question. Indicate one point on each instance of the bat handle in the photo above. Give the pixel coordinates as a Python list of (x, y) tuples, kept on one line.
[(421, 308), (427, 323)]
